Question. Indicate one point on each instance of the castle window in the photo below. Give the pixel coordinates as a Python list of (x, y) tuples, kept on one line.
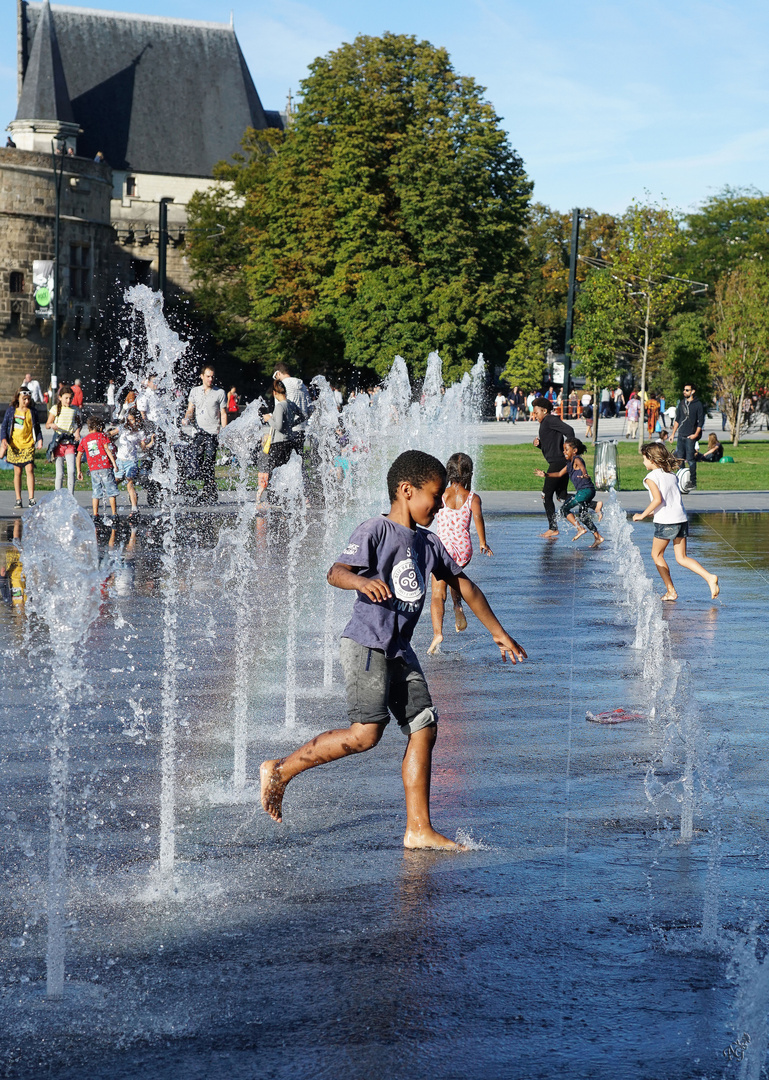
[(130, 186), (17, 281), (79, 272)]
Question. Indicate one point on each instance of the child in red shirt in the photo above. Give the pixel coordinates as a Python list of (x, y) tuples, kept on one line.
[(101, 465)]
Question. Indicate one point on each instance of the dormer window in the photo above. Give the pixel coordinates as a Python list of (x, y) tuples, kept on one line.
[(130, 187)]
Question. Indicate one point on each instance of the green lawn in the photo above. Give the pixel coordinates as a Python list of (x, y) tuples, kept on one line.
[(511, 468)]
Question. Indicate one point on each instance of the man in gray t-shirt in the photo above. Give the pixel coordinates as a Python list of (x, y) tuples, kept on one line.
[(208, 407)]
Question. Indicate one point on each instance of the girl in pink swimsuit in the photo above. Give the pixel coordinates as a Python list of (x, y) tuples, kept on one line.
[(452, 524)]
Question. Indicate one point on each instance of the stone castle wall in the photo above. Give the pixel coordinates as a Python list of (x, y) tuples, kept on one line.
[(27, 217)]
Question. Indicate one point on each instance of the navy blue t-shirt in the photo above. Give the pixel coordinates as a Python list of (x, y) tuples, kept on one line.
[(404, 559)]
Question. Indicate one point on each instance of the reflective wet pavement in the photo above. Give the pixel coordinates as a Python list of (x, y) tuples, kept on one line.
[(567, 945)]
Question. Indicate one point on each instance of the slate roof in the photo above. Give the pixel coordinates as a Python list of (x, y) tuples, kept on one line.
[(153, 94), (44, 94)]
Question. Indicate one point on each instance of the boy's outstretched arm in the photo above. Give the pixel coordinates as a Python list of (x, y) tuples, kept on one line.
[(481, 608), (343, 576)]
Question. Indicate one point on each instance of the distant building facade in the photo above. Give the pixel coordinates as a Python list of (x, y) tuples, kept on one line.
[(139, 108)]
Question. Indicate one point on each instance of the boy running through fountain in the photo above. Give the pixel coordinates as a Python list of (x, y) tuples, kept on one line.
[(387, 562)]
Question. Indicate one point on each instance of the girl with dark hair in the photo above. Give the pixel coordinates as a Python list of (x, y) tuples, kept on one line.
[(452, 524), (19, 436), (65, 421), (670, 519), (584, 490)]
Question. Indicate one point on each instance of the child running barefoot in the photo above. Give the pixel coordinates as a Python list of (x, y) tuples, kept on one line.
[(387, 562), (670, 520), (452, 524), (584, 492)]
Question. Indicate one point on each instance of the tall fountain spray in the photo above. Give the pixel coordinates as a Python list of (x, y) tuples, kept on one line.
[(239, 571), (287, 486), (63, 580), (164, 351)]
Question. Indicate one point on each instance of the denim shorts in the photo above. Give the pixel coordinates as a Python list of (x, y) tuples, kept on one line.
[(377, 687), (671, 532), (103, 484), (126, 470)]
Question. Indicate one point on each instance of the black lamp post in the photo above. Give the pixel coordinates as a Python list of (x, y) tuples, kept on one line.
[(58, 175), (163, 243)]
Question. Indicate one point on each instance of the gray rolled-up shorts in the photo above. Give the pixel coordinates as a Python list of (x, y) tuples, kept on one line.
[(378, 686), (671, 532)]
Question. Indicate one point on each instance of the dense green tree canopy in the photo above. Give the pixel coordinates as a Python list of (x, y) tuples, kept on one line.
[(729, 228), (526, 360), (387, 219)]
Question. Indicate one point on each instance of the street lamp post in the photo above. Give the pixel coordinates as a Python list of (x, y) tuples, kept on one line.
[(58, 175), (163, 243), (570, 309)]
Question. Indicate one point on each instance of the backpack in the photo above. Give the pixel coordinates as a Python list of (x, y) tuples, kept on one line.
[(684, 478)]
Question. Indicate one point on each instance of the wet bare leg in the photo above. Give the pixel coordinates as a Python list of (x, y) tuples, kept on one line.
[(658, 557), (437, 611), (460, 620), (275, 774), (417, 766), (679, 549)]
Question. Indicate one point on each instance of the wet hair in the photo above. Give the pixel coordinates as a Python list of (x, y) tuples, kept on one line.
[(413, 467), (542, 403), (278, 386), (660, 456), (95, 423), (134, 413), (208, 367), (578, 445), (459, 470)]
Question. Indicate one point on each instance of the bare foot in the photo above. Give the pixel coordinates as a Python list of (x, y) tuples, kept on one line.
[(272, 788), (577, 535), (429, 838), (598, 540), (459, 620), (715, 588), (435, 645), (670, 596), (550, 534)]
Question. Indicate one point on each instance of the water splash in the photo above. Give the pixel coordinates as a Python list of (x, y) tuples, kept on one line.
[(64, 582)]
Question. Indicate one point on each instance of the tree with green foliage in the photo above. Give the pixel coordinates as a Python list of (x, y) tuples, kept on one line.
[(548, 244), (740, 338), (685, 354), (525, 365), (729, 228), (600, 328), (388, 218)]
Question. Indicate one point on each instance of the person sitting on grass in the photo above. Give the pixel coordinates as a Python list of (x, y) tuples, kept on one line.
[(101, 465), (387, 562), (19, 435), (714, 452)]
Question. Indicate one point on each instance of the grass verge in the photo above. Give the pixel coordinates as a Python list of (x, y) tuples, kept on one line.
[(511, 468)]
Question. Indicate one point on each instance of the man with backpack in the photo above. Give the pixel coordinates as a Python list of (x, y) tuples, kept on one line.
[(687, 427)]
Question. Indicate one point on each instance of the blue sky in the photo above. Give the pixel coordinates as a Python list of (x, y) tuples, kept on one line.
[(603, 101)]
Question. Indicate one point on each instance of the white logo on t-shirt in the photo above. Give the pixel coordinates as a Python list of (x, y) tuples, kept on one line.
[(408, 583), (351, 549)]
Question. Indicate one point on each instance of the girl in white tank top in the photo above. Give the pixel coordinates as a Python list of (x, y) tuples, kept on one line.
[(670, 520)]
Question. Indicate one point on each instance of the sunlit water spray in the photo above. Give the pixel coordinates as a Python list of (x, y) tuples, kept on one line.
[(63, 581), (164, 351), (239, 573)]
